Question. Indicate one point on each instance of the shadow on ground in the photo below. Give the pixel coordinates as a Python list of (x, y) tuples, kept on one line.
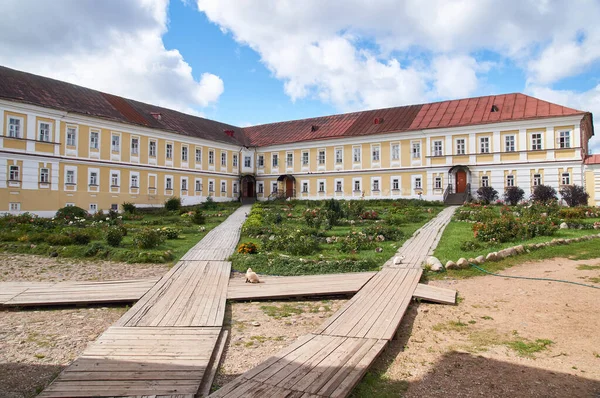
[(22, 380)]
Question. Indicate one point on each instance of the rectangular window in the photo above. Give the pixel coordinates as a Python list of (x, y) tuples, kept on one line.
[(396, 184), (564, 139), (566, 179), (509, 143), (235, 160), (418, 184), (395, 151), (338, 186), (375, 153), (376, 185), (356, 154), (93, 207), (114, 180), (537, 180), (339, 156), (152, 149), (235, 188), (169, 151), (536, 141), (134, 181), (290, 160), (275, 158), (305, 187), (94, 140), (135, 146), (93, 178), (223, 187), (169, 183), (485, 181), (198, 155), (116, 143), (223, 159), (437, 148), (322, 157), (356, 185), (304, 158), (211, 157), (416, 150), (247, 161), (460, 146), (15, 206), (321, 186), (184, 184), (13, 173), (510, 180), (437, 183), (261, 161), (114, 206), (44, 134), (198, 185), (484, 145), (71, 136), (14, 127), (261, 188), (211, 186), (45, 175), (70, 177), (184, 154), (274, 188)]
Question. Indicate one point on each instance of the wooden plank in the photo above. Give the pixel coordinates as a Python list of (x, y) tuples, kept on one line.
[(213, 365), (435, 294)]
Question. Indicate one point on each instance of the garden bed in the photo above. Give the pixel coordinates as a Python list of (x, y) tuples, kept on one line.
[(161, 237), (318, 237)]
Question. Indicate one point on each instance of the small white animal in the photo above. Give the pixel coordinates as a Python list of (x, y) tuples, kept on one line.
[(251, 276), (398, 260)]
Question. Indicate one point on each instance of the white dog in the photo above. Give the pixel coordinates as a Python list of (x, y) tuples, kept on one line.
[(251, 276)]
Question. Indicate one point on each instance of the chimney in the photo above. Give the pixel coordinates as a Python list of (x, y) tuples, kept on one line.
[(156, 115), (229, 132), (314, 128), (378, 120)]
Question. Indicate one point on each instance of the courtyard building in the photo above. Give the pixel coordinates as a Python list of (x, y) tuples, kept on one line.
[(62, 144)]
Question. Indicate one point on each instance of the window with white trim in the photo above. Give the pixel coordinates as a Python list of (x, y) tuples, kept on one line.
[(152, 149), (357, 185), (339, 155), (375, 184), (260, 187), (437, 183), (418, 183), (395, 151), (235, 188), (135, 146), (509, 143), (338, 186), (321, 186), (169, 183), (14, 206), (304, 187), (223, 187), (247, 161), (460, 146), (93, 207), (44, 132), (395, 184), (484, 145), (485, 181), (198, 185), (184, 153), (94, 139), (15, 125), (71, 136), (290, 159), (261, 161), (134, 181), (211, 157), (305, 158), (510, 180), (235, 160), (223, 159), (93, 178), (70, 177), (275, 160), (14, 173), (437, 148), (184, 182), (565, 179), (564, 139), (536, 141), (416, 150), (116, 143), (356, 154), (169, 151), (321, 156), (44, 175), (537, 180), (211, 186), (274, 187), (114, 179), (198, 155), (375, 153), (114, 206)]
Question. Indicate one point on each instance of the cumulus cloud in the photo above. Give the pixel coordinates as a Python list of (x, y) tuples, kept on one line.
[(110, 45)]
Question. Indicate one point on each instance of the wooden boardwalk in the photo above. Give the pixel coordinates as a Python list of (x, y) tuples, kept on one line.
[(333, 359), (165, 345)]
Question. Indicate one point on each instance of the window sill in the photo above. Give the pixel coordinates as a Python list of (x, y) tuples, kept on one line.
[(134, 187), (115, 186), (93, 185)]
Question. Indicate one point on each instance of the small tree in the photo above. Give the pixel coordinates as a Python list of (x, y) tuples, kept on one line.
[(513, 195), (173, 204), (487, 194), (128, 207), (544, 194), (574, 195)]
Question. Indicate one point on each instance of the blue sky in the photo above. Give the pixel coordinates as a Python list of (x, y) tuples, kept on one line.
[(258, 61)]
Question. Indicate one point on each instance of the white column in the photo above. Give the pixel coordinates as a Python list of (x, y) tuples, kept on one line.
[(522, 145), (31, 130), (57, 136), (1, 128), (472, 148), (55, 176), (496, 145), (550, 142)]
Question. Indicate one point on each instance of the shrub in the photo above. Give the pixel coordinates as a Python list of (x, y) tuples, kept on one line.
[(59, 240), (170, 232), (148, 238), (574, 195), (247, 248), (395, 219), (198, 217), (369, 215), (210, 203), (313, 218), (487, 195), (254, 223), (128, 207), (509, 228), (572, 213), (354, 208), (173, 204), (114, 236), (296, 242), (414, 215), (70, 212), (543, 194), (333, 212), (356, 241), (513, 195), (80, 237), (93, 249), (387, 231), (470, 245)]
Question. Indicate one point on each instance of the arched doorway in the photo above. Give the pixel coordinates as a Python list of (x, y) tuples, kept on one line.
[(459, 179), (287, 187), (248, 188)]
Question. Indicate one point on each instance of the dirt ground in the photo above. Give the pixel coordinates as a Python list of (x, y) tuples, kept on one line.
[(457, 351)]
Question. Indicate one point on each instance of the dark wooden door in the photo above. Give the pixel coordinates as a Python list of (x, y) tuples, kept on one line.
[(289, 188), (461, 181), (250, 189)]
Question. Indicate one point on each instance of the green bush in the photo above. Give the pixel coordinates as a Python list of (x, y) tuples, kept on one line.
[(198, 217), (80, 237), (170, 232), (356, 241), (395, 219), (297, 242), (255, 222), (114, 236), (507, 228), (59, 240), (333, 212), (487, 195), (70, 213), (572, 213), (470, 245), (173, 204), (148, 238), (128, 207), (313, 217), (387, 231), (210, 204), (9, 236), (94, 249)]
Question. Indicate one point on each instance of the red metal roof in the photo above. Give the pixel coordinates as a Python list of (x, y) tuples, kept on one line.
[(28, 88), (592, 159)]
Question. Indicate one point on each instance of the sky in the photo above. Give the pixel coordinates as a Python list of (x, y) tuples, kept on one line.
[(248, 62)]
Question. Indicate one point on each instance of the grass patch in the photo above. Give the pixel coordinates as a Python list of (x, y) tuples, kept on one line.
[(595, 279), (585, 267), (283, 311), (482, 339), (526, 348), (378, 384), (450, 325)]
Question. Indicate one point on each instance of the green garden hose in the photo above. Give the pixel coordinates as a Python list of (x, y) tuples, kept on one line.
[(531, 278)]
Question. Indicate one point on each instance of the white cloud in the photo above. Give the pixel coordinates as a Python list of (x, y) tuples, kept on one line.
[(455, 77), (109, 45)]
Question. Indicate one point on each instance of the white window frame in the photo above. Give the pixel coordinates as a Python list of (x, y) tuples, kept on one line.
[(564, 139), (321, 183), (117, 147), (152, 153), (71, 142), (93, 208), (135, 149), (14, 206), (18, 131), (356, 154), (198, 156), (169, 183), (438, 148), (95, 142), (305, 186), (274, 187), (44, 171), (14, 173), (485, 181), (461, 146), (510, 143), (321, 157), (260, 188), (510, 180), (70, 172), (211, 186), (484, 145), (289, 160), (356, 184), (247, 161), (115, 178), (395, 151), (185, 153), (415, 150), (537, 143), (375, 153), (565, 178), (223, 187), (438, 182), (260, 161), (338, 182), (223, 159), (375, 184), (275, 160), (197, 185), (305, 158), (235, 160), (169, 151), (339, 159), (183, 184), (395, 183), (537, 179), (131, 180), (211, 157), (45, 136), (234, 188), (93, 180)]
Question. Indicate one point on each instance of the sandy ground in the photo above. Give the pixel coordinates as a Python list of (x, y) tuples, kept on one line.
[(456, 351)]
